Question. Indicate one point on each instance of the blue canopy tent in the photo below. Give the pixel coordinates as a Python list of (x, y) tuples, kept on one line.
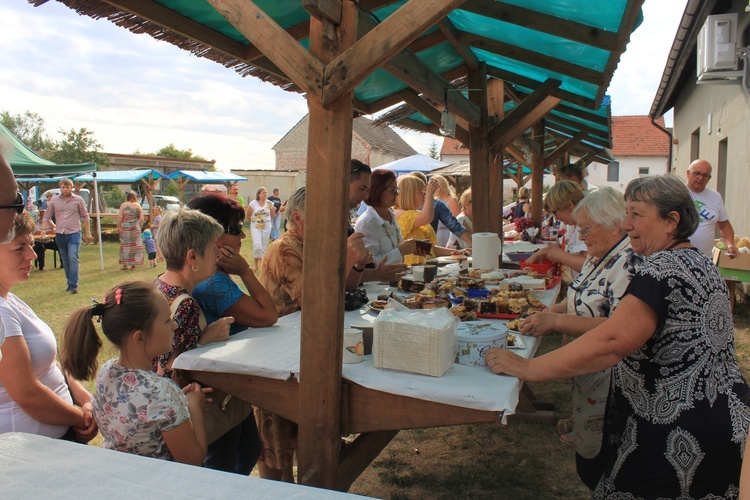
[(184, 177), (413, 163)]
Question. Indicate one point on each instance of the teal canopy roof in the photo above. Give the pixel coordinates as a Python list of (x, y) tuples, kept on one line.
[(122, 176), (522, 42), (204, 177)]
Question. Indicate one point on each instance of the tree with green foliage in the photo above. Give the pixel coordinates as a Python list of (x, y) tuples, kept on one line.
[(434, 152), (183, 154), (112, 195), (29, 128), (78, 146), (171, 190)]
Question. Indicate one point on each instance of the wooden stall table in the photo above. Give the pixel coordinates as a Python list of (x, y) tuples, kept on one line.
[(261, 365), (41, 467)]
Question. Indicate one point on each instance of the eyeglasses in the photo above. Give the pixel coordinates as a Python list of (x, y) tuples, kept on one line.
[(584, 233), (233, 229), (700, 175), (394, 191), (17, 204)]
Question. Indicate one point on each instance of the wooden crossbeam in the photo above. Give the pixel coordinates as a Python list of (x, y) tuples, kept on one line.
[(532, 57), (629, 17), (546, 23), (324, 9), (530, 83), (520, 118), (451, 33), (302, 68), (564, 148), (381, 43), (431, 113), (594, 133)]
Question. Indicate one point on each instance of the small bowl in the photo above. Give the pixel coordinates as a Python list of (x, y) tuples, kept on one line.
[(475, 293), (543, 267), (518, 256)]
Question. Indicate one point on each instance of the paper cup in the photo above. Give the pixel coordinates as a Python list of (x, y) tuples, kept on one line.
[(418, 273), (354, 347)]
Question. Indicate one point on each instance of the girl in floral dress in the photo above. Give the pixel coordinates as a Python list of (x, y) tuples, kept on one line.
[(137, 410)]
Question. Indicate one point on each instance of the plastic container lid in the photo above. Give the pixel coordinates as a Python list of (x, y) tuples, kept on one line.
[(480, 331)]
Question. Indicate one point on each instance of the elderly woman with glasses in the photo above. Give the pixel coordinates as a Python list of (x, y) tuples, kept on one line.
[(591, 298), (680, 399), (378, 223), (561, 200)]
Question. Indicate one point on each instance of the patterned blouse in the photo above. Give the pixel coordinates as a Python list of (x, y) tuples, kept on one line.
[(281, 272), (409, 230), (187, 317), (261, 218), (133, 407), (681, 398), (596, 293)]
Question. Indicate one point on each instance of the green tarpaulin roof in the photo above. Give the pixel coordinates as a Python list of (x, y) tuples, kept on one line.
[(24, 161)]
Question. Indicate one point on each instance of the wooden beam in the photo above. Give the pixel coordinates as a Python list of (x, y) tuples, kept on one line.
[(324, 9), (579, 113), (158, 14), (545, 23), (516, 153), (495, 113), (594, 133), (532, 57), (451, 33), (428, 111), (302, 68), (520, 118), (629, 18), (358, 455), (427, 41), (530, 83), (556, 127), (537, 173), (328, 163), (380, 44), (479, 153), (564, 148)]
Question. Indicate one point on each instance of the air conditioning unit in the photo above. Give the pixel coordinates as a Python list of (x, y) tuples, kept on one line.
[(717, 49)]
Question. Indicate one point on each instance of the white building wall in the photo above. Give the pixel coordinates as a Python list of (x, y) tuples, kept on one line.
[(287, 182), (629, 170)]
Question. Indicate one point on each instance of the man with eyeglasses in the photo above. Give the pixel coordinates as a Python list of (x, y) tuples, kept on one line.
[(711, 210)]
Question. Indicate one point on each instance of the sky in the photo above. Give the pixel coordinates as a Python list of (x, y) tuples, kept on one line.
[(138, 94)]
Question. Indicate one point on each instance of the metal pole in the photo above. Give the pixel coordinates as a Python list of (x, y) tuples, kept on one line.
[(99, 222)]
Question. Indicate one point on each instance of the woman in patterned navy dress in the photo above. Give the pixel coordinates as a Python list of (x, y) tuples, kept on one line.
[(679, 418)]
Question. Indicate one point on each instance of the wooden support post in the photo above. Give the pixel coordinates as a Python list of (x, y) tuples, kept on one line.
[(328, 164), (537, 172), (479, 154), (496, 112)]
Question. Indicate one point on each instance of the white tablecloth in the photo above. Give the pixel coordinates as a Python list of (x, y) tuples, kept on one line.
[(34, 467), (274, 353)]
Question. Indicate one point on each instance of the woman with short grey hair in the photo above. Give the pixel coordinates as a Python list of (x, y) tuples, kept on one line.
[(591, 299), (677, 391), (187, 239)]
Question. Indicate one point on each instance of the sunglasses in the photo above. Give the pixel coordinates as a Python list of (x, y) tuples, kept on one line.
[(17, 205), (233, 229)]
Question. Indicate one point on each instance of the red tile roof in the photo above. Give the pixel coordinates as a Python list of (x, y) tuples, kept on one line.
[(637, 136), (453, 147)]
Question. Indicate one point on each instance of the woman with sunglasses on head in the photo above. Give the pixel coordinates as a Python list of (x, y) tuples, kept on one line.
[(378, 223), (219, 296)]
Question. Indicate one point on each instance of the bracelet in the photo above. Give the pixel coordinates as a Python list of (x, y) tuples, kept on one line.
[(358, 270)]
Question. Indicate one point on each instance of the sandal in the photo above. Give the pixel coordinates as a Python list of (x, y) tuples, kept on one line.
[(124, 268), (565, 426), (567, 439)]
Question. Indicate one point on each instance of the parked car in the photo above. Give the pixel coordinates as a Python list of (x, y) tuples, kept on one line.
[(165, 202)]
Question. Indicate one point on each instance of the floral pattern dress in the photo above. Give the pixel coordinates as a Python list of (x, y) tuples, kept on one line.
[(596, 293), (188, 319), (131, 246), (681, 399), (133, 407)]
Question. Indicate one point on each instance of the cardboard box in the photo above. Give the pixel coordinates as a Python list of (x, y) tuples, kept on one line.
[(737, 269)]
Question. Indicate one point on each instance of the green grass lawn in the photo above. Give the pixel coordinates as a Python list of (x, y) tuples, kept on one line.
[(521, 460)]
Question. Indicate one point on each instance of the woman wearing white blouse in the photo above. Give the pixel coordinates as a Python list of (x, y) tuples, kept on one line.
[(378, 223)]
